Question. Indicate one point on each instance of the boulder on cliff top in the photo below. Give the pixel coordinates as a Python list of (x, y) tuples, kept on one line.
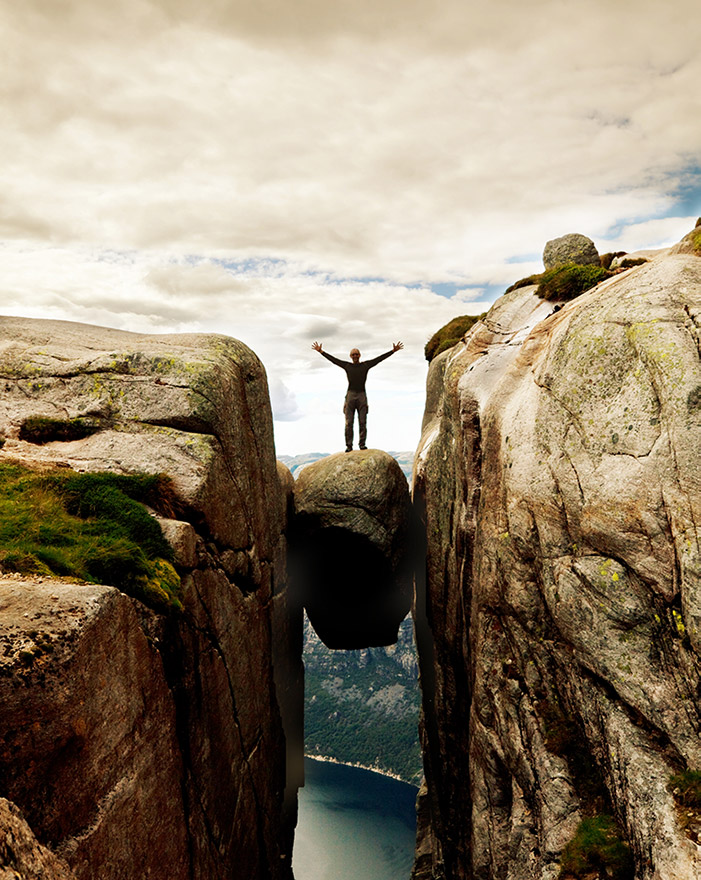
[(352, 568), (572, 248)]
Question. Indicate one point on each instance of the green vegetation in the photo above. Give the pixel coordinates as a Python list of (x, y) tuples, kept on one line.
[(686, 788), (38, 429), (607, 259), (629, 262), (567, 282), (450, 334), (597, 846), (91, 527), (696, 242), (528, 281), (362, 707)]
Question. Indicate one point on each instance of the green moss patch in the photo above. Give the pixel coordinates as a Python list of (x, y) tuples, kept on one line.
[(567, 282), (450, 334), (696, 242), (608, 258), (686, 788), (38, 429), (598, 846), (528, 281), (93, 527)]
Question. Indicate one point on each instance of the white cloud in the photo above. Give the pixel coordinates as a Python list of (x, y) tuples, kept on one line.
[(233, 166)]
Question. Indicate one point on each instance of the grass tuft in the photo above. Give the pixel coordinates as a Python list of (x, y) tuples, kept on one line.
[(567, 282), (608, 258), (696, 241), (597, 846), (528, 281), (450, 334), (93, 527)]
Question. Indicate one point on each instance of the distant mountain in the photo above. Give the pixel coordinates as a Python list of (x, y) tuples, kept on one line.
[(296, 462), (362, 707)]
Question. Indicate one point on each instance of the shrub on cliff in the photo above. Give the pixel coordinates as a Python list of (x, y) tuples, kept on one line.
[(567, 282), (597, 849), (450, 334), (92, 527)]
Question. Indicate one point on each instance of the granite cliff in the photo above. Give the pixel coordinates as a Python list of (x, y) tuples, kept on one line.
[(140, 742), (559, 619)]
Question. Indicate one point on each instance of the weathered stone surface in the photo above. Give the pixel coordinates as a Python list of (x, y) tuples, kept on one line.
[(197, 409), (82, 692), (559, 623), (182, 538), (571, 248), (352, 525), (22, 857)]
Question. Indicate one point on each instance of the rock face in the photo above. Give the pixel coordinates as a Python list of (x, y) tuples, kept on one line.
[(21, 856), (166, 732), (559, 622), (353, 571), (572, 248)]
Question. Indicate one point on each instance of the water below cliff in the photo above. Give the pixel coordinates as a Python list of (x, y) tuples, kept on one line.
[(353, 825)]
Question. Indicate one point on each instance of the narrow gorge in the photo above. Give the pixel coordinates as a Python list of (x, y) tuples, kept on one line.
[(551, 557)]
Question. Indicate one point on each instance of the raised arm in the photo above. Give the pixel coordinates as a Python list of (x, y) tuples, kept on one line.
[(329, 357), (397, 346)]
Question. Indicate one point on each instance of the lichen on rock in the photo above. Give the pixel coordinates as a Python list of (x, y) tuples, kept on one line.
[(559, 475)]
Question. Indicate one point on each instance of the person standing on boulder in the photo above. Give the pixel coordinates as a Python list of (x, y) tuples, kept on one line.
[(356, 398)]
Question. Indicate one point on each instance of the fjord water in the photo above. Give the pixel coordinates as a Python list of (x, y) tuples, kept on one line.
[(353, 825)]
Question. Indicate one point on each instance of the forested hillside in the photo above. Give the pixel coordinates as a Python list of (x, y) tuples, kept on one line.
[(362, 707)]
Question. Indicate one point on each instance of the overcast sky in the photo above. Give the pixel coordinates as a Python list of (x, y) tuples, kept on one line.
[(351, 171)]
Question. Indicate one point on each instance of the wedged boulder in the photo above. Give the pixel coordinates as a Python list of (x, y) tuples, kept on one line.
[(571, 248), (351, 534), (214, 774), (559, 622)]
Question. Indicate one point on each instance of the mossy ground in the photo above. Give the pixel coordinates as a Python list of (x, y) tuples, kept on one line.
[(449, 335), (696, 241), (567, 282), (91, 527)]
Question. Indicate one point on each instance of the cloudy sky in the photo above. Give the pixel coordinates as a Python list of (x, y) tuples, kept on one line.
[(351, 171)]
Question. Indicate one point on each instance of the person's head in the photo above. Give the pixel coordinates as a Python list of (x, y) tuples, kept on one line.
[(355, 355)]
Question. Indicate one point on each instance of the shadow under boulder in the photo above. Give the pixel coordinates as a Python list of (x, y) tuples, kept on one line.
[(351, 536)]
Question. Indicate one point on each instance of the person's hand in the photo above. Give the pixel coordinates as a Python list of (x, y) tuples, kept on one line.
[(397, 346), (316, 346)]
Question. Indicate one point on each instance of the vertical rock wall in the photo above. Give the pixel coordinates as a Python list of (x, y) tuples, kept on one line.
[(188, 767), (559, 622)]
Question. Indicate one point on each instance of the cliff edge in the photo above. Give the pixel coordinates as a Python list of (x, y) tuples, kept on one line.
[(141, 741), (559, 621)]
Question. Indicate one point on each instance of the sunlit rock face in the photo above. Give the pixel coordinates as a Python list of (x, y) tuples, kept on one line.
[(21, 854), (145, 744), (352, 565), (559, 622)]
